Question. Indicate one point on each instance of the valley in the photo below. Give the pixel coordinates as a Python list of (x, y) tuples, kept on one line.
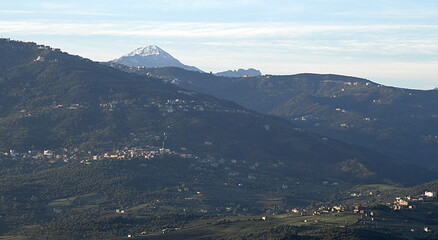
[(93, 152), (401, 123)]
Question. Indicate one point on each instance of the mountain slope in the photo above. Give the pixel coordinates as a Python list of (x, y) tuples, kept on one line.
[(76, 125), (250, 72), (151, 56), (51, 100), (401, 123)]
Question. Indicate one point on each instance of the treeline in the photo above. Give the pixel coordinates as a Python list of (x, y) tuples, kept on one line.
[(287, 232), (85, 226)]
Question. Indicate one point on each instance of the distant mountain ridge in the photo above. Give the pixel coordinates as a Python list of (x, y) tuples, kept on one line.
[(91, 152), (401, 123), (150, 57), (250, 72), (51, 100)]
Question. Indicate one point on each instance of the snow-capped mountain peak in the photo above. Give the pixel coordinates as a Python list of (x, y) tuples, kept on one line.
[(151, 57), (147, 51)]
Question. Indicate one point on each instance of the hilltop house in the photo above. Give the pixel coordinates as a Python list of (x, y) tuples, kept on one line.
[(401, 202), (429, 194), (39, 59), (359, 209)]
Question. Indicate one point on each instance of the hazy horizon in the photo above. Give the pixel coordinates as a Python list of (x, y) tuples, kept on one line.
[(390, 42)]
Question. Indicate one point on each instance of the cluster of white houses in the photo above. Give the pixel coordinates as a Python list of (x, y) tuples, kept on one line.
[(87, 157), (408, 202), (49, 155), (167, 106)]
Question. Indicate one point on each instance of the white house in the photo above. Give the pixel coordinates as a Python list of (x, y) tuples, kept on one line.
[(429, 194)]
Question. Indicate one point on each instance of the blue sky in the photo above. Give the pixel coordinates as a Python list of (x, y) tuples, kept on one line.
[(391, 42)]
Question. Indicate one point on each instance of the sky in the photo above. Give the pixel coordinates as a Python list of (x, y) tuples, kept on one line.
[(392, 42)]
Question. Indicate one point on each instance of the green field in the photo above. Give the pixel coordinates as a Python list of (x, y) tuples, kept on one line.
[(228, 226)]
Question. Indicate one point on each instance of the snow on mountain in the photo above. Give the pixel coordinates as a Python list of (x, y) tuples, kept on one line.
[(146, 51), (152, 56)]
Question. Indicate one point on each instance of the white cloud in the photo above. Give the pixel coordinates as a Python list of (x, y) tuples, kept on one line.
[(381, 39), (17, 11), (281, 38), (379, 51), (200, 30), (204, 4), (57, 6)]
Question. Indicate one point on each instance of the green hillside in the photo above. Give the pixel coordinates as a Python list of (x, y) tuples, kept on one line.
[(92, 152), (52, 100), (400, 123)]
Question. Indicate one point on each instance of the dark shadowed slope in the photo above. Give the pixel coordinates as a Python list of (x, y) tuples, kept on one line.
[(52, 100), (401, 123)]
